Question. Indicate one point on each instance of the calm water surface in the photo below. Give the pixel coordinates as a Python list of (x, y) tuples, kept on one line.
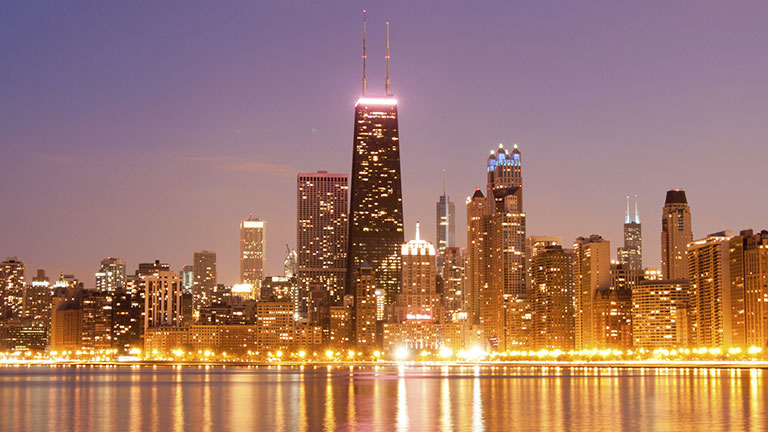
[(409, 398)]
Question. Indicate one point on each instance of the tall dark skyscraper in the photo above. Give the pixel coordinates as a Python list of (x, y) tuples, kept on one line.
[(631, 254), (676, 233), (376, 202), (445, 223)]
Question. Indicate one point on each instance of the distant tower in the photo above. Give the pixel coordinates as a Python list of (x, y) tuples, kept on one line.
[(376, 202), (252, 256), (322, 231), (675, 235), (591, 273), (445, 222), (111, 275), (204, 274), (631, 254)]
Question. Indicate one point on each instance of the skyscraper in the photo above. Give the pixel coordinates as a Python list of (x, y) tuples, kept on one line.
[(675, 235), (631, 254), (322, 231), (11, 287), (552, 297), (252, 252), (591, 273), (659, 314), (477, 231), (418, 299), (748, 254), (204, 274), (376, 202), (709, 295), (163, 299), (365, 308), (445, 222), (111, 275)]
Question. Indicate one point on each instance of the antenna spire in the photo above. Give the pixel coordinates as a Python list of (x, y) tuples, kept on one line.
[(386, 57), (418, 235), (365, 80), (626, 215), (443, 181), (637, 215)]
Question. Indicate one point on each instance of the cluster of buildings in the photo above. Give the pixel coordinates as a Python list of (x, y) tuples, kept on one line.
[(353, 282)]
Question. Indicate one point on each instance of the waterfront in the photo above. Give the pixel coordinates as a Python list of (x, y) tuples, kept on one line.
[(414, 397)]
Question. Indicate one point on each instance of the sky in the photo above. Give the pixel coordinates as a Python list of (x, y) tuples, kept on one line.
[(148, 130)]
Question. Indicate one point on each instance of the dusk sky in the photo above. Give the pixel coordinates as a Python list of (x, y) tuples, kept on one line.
[(148, 130)]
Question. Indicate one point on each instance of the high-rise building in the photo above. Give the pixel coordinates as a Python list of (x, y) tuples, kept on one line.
[(111, 275), (612, 312), (322, 231), (709, 295), (11, 288), (552, 297), (365, 308), (163, 299), (631, 254), (418, 299), (748, 268), (445, 222), (591, 273), (252, 251), (187, 277), (675, 235), (454, 282), (660, 314), (97, 320), (204, 276), (477, 256)]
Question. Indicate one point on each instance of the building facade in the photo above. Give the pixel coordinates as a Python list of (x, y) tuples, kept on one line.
[(675, 235)]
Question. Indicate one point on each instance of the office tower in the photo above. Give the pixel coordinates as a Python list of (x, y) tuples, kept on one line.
[(252, 251), (477, 231), (454, 281), (418, 299), (97, 320), (66, 327), (127, 320), (612, 311), (552, 297), (322, 231), (631, 254), (709, 295), (187, 277), (162, 300), (445, 223), (274, 325), (11, 288), (111, 275), (376, 202), (660, 314), (204, 275), (37, 301), (506, 224), (675, 235), (365, 308), (748, 268), (591, 273)]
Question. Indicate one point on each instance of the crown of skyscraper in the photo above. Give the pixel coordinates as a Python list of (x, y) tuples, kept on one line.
[(418, 246), (676, 196), (502, 157)]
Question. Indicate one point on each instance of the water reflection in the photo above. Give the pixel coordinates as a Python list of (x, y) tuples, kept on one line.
[(406, 398)]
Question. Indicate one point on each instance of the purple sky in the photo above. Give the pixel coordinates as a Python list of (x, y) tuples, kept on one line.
[(148, 130)]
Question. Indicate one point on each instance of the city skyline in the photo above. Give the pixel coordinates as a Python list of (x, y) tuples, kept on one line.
[(53, 160)]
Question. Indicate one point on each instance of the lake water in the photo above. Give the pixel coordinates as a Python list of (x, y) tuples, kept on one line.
[(407, 398)]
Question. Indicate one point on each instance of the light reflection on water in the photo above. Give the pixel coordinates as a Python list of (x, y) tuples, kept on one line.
[(405, 398)]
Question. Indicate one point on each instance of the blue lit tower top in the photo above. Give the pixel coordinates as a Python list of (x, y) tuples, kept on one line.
[(505, 170)]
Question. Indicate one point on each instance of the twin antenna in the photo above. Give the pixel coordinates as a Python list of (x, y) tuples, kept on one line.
[(386, 58)]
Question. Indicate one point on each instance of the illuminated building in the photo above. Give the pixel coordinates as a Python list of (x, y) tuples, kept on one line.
[(454, 282), (204, 273), (11, 288), (445, 223), (66, 327), (591, 273), (22, 336), (338, 325), (289, 264), (660, 314), (631, 254), (534, 244), (675, 235), (551, 269), (322, 231), (187, 277), (307, 337), (274, 325), (376, 201), (613, 318), (111, 275), (127, 320), (418, 336), (36, 306), (365, 308), (97, 320), (244, 291), (418, 298), (748, 269), (477, 231), (709, 295), (163, 340), (252, 251), (163, 299), (518, 323)]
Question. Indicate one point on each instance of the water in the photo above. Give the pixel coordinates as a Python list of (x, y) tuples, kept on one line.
[(412, 398)]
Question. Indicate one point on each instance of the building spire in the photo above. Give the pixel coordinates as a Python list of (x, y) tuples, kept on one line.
[(443, 181), (365, 80), (418, 235), (637, 215), (626, 214), (386, 57)]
